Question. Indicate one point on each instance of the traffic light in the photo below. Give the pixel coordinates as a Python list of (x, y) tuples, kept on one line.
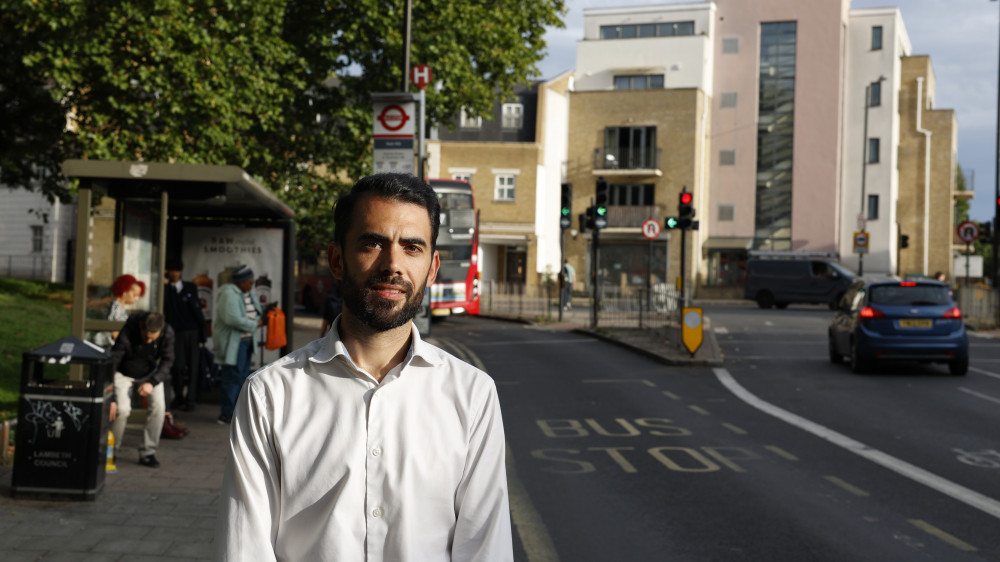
[(904, 241), (685, 212), (566, 208), (588, 219), (986, 232), (671, 223), (601, 197)]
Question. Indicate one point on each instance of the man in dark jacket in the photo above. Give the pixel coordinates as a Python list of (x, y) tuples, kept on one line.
[(182, 309), (142, 357)]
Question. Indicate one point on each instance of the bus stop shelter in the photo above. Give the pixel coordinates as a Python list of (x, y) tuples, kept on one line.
[(133, 216)]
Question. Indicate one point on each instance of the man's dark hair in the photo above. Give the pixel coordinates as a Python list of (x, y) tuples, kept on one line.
[(396, 187), (152, 323)]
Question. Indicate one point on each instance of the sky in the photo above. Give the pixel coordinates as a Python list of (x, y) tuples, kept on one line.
[(960, 36)]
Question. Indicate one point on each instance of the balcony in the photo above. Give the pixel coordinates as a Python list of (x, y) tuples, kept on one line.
[(631, 216), (627, 162)]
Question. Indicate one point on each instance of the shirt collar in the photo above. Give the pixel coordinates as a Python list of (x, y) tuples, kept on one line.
[(331, 346)]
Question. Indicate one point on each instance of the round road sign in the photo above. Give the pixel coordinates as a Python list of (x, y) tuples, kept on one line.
[(393, 117), (968, 232), (650, 229)]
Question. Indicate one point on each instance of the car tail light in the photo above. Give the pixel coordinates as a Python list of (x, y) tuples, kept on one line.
[(867, 313), (953, 313), (908, 284)]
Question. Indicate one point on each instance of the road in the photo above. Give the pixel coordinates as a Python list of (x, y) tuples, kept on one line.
[(780, 455)]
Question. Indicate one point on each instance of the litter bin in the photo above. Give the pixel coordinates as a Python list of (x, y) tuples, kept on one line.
[(62, 430)]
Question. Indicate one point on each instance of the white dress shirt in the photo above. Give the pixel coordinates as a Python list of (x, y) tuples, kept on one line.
[(327, 464)]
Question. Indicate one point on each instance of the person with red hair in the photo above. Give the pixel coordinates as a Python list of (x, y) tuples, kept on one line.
[(126, 291)]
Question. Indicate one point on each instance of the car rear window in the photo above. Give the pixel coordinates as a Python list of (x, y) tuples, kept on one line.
[(909, 295)]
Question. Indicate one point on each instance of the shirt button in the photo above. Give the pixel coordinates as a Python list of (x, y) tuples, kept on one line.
[(377, 512), (377, 451)]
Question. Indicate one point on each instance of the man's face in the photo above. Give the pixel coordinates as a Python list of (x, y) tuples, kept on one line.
[(245, 286), (150, 337), (386, 262), (174, 275)]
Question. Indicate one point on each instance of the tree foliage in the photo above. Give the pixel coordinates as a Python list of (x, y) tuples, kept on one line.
[(281, 88)]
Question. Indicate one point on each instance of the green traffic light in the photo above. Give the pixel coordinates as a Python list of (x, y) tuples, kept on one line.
[(565, 211), (671, 222), (601, 211)]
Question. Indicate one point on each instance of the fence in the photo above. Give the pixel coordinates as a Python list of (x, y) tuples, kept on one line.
[(628, 307), (34, 267), (978, 305)]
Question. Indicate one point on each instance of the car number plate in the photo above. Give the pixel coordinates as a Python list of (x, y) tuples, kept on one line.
[(920, 323)]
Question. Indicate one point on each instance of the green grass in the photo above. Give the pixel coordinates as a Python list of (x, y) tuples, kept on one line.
[(32, 313)]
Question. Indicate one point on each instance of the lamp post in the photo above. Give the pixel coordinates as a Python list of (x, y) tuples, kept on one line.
[(863, 219)]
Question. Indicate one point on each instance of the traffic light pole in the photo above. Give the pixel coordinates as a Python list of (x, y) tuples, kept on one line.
[(680, 284)]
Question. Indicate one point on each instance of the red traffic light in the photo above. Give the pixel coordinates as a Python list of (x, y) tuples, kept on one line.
[(685, 198)]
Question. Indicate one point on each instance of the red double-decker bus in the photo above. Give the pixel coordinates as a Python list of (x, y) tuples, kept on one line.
[(456, 290)]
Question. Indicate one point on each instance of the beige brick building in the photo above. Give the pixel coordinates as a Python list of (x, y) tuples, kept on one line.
[(648, 145), (928, 144)]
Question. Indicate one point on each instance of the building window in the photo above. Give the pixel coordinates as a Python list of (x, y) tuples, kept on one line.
[(726, 268), (631, 194), (632, 31), (727, 212), (875, 94), (872, 207), (727, 157), (775, 136), (730, 45), (641, 82), (513, 115), (504, 187), (877, 38), (728, 100), (873, 145), (37, 239), (468, 122), (629, 148)]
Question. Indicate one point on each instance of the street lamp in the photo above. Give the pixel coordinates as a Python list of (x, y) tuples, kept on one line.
[(863, 218)]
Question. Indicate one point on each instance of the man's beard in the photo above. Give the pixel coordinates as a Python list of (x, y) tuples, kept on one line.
[(376, 312)]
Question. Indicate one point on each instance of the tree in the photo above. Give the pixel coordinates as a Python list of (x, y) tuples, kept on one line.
[(961, 206), (279, 87)]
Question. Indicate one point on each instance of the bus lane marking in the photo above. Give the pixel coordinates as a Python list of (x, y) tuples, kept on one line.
[(956, 491), (846, 486), (944, 536)]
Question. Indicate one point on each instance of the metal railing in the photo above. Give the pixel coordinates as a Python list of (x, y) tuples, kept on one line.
[(628, 307), (627, 158), (32, 266)]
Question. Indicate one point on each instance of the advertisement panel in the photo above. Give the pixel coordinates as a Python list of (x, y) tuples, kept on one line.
[(210, 256)]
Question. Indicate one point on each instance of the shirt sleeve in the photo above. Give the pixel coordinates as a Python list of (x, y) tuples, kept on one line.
[(482, 527), (248, 517)]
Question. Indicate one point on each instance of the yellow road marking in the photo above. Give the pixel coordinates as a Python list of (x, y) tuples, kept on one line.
[(700, 410), (530, 528), (849, 487), (735, 429), (948, 538), (671, 395), (781, 452)]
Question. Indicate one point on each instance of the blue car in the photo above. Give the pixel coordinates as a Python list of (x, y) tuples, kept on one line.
[(892, 320)]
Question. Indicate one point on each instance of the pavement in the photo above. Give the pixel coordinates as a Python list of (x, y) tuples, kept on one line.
[(169, 513)]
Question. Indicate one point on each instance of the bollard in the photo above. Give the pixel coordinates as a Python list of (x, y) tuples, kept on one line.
[(4, 439)]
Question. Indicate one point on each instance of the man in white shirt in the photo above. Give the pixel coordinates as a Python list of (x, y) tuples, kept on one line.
[(370, 443)]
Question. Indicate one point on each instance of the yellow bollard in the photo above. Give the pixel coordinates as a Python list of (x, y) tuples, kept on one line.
[(109, 463)]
